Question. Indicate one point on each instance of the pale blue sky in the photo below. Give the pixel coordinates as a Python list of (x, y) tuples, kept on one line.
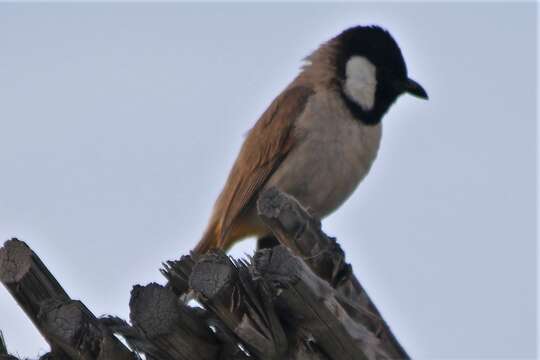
[(119, 123)]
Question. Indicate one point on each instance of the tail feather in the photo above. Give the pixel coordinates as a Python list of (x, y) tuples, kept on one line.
[(216, 238), (208, 241)]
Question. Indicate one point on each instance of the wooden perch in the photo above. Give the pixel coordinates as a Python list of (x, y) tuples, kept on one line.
[(297, 301), (172, 327), (177, 273), (3, 347), (71, 330), (302, 233), (308, 304), (226, 288)]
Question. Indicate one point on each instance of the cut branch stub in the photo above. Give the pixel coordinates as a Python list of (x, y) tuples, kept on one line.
[(30, 283), (212, 274), (77, 331), (173, 327), (301, 233), (27, 278), (310, 305), (226, 288), (177, 273), (69, 327)]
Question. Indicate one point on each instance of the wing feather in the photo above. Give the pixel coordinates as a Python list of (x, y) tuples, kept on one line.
[(265, 147)]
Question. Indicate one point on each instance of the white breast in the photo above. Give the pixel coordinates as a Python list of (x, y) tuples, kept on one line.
[(333, 154)]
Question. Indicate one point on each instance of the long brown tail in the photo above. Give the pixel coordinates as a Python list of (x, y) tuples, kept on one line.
[(208, 241), (215, 238)]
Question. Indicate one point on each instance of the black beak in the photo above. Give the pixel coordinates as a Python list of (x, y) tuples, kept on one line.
[(414, 88)]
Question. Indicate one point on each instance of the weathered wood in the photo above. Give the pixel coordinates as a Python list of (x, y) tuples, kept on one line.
[(177, 273), (295, 228), (174, 329), (226, 288), (310, 305), (3, 347), (77, 331), (69, 327), (295, 301), (133, 336), (28, 280)]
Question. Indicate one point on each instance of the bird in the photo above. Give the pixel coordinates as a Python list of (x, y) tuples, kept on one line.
[(318, 138)]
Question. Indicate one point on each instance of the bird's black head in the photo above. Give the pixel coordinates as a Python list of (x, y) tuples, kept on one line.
[(372, 72)]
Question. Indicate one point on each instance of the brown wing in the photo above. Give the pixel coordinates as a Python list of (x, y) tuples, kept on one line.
[(265, 147)]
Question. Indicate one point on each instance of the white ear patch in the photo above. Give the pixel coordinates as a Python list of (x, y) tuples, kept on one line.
[(361, 81)]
